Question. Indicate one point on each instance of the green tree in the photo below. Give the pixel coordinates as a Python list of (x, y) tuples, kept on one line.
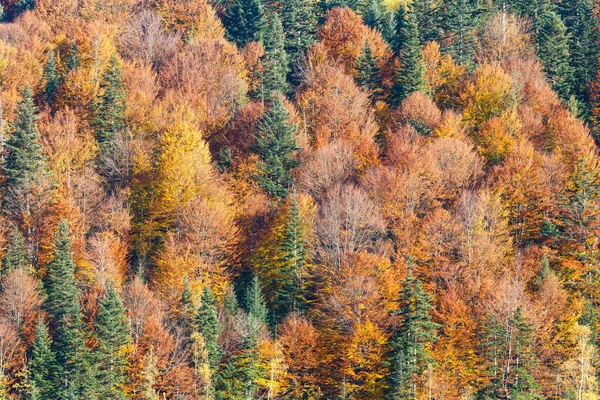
[(429, 18), (51, 77), (374, 14), (16, 252), (275, 144), (208, 325), (73, 378), (113, 339), (110, 108), (299, 21), (74, 60), (553, 49), (42, 363), (410, 76), (244, 21), (275, 60), (410, 346), (459, 30), (369, 77)]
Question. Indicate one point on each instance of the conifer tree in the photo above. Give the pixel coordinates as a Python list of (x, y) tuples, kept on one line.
[(110, 108), (553, 47), (73, 378), (113, 339), (368, 72), (429, 15), (410, 76), (244, 21), (374, 14), (275, 144), (208, 325), (410, 344), (275, 60), (16, 252), (299, 21), (73, 61), (42, 363), (51, 77), (460, 27)]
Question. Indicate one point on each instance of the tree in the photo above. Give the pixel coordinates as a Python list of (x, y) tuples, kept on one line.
[(410, 346), (42, 363), (74, 60), (553, 49), (73, 378), (300, 25), (410, 76), (368, 73), (244, 21), (275, 60), (113, 340), (373, 16), (16, 253), (429, 19), (110, 107), (209, 327), (275, 145), (51, 77), (459, 30)]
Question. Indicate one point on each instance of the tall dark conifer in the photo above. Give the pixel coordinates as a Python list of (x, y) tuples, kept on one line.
[(42, 364), (244, 21), (299, 21), (275, 60)]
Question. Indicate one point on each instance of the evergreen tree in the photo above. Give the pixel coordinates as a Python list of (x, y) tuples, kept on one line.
[(244, 21), (110, 108), (51, 77), (368, 72), (208, 325), (24, 152), (428, 14), (275, 144), (275, 60), (42, 364), (16, 252), (410, 344), (410, 76), (73, 61), (73, 378), (374, 15), (299, 21), (553, 47), (113, 339), (460, 27)]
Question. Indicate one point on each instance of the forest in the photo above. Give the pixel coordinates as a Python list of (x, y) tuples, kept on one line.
[(299, 199)]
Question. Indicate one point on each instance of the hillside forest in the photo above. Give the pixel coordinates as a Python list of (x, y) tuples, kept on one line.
[(299, 199)]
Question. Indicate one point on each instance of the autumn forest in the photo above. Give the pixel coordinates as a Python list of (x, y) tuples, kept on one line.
[(299, 199)]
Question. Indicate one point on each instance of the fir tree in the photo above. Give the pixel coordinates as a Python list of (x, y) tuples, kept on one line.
[(113, 338), (51, 77), (300, 26), (460, 27), (374, 15), (16, 252), (410, 344), (110, 108), (428, 14), (368, 72), (275, 144), (73, 61), (410, 76), (244, 21), (553, 46), (42, 364), (275, 60), (208, 325), (73, 378)]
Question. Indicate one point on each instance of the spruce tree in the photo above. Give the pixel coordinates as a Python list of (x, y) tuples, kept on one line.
[(368, 72), (73, 61), (275, 144), (460, 27), (299, 21), (275, 60), (374, 14), (208, 325), (16, 252), (429, 16), (113, 338), (410, 344), (110, 108), (24, 152), (51, 77), (42, 364), (553, 48), (244, 21), (410, 76), (73, 378)]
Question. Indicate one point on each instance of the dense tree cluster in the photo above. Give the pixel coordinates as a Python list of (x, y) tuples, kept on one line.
[(299, 199)]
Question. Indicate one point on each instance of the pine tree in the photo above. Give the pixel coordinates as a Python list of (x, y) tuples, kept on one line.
[(73, 61), (410, 76), (24, 152), (299, 21), (368, 72), (42, 363), (73, 378), (113, 339), (410, 344), (16, 252), (460, 27), (275, 60), (51, 77), (553, 47), (374, 15), (428, 14), (209, 327), (275, 144), (110, 108), (244, 21)]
